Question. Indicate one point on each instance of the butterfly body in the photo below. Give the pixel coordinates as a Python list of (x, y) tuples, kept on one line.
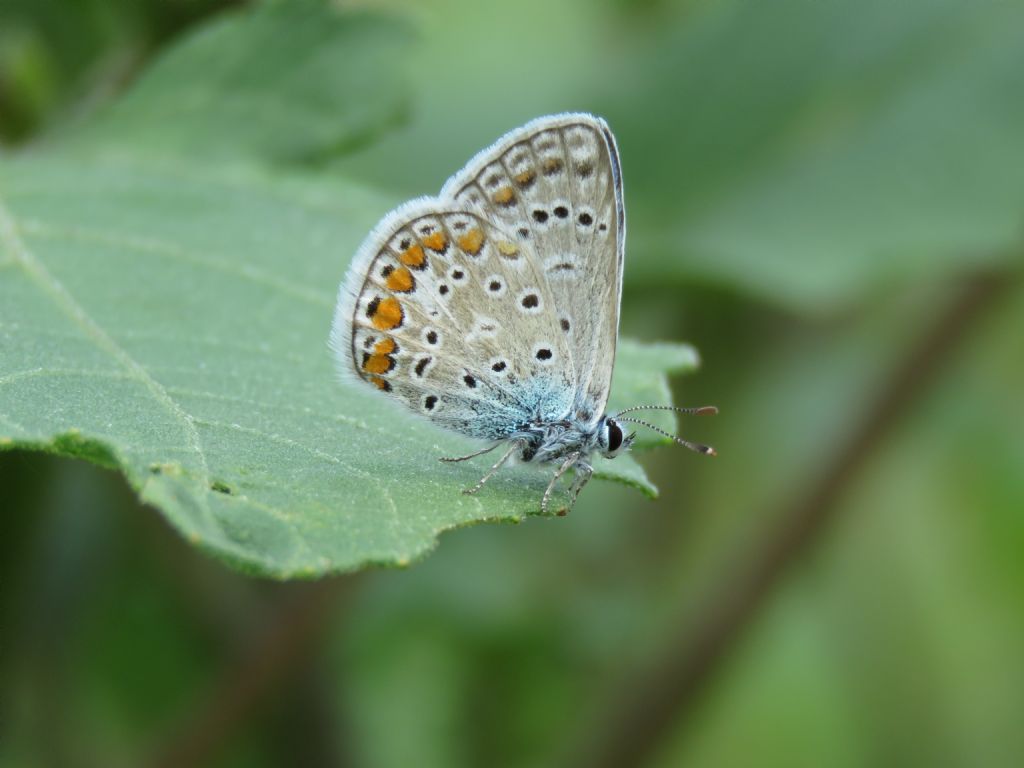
[(492, 309)]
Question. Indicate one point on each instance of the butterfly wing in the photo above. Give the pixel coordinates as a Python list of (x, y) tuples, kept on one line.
[(557, 184), (444, 311), (496, 304)]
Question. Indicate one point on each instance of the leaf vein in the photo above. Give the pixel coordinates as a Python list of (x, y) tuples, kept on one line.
[(151, 246), (322, 455), (336, 417), (31, 373), (13, 244)]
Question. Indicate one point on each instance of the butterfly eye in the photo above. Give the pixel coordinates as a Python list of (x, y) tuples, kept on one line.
[(614, 436)]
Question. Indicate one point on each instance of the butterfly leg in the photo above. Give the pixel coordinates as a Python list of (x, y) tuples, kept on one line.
[(569, 462), (516, 445), (471, 456), (583, 474)]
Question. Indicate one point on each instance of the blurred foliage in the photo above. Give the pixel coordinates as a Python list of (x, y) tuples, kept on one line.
[(237, 89), (807, 184), (60, 58)]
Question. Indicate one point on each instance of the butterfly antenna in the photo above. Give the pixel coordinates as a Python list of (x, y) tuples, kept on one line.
[(707, 450), (704, 410)]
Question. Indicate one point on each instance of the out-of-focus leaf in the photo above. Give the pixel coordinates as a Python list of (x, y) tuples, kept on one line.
[(281, 82), (61, 60), (807, 151)]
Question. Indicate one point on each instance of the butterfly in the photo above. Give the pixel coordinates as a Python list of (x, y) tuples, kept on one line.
[(493, 308)]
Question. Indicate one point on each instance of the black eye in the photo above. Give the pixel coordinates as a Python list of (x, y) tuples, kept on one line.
[(614, 436)]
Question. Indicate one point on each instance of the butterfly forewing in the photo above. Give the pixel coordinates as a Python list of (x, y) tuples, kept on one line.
[(556, 184), (496, 304)]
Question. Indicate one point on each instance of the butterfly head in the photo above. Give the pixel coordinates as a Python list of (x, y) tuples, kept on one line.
[(611, 440)]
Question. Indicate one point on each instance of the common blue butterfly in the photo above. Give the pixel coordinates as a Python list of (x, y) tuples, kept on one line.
[(493, 308)]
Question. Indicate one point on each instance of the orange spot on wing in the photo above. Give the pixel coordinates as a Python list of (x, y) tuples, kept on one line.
[(385, 347), (400, 281), (377, 363), (509, 250), (472, 241), (413, 256), (387, 314), (504, 196), (436, 242), (380, 383), (553, 165), (526, 178)]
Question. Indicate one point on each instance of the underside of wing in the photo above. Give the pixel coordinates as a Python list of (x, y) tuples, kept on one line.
[(556, 185), (444, 310)]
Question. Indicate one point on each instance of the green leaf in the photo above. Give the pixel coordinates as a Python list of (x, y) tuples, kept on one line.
[(811, 151), (283, 82), (171, 322)]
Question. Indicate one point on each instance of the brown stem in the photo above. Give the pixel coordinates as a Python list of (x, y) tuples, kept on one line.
[(657, 698)]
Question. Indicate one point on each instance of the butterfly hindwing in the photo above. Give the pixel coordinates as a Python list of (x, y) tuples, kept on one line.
[(444, 311)]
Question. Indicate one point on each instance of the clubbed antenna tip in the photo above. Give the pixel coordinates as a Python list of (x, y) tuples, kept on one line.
[(707, 450)]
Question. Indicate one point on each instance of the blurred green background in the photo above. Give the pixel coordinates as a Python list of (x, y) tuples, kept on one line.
[(826, 199)]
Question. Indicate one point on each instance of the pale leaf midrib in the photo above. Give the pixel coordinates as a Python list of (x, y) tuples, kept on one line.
[(12, 243)]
